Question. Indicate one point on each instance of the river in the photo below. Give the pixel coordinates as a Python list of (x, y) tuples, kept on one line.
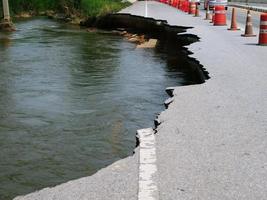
[(71, 102)]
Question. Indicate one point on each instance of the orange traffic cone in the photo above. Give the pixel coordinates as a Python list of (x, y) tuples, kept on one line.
[(263, 30), (208, 14), (197, 11), (249, 27), (233, 23)]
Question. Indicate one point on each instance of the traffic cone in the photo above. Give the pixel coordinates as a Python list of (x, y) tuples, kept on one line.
[(208, 14), (249, 27), (263, 30), (233, 22), (197, 11)]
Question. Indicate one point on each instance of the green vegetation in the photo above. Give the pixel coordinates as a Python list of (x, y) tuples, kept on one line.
[(99, 7), (85, 7)]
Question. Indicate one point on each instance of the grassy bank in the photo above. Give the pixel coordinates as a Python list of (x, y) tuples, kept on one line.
[(84, 7), (100, 7)]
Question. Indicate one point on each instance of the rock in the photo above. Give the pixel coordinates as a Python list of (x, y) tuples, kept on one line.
[(91, 30), (151, 43), (7, 26), (76, 20), (133, 39), (50, 13), (123, 33), (42, 13), (24, 15)]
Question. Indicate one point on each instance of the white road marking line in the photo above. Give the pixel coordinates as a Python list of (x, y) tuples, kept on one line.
[(148, 189), (146, 12)]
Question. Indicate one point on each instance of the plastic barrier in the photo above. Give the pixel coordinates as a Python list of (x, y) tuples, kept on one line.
[(220, 16)]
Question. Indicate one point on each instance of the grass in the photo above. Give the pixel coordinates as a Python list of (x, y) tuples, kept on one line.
[(85, 7), (101, 7)]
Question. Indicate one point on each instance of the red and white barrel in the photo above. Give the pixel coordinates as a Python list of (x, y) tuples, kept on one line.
[(263, 30), (220, 16)]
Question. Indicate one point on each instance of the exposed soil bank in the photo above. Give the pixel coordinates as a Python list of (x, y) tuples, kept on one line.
[(171, 39), (72, 18)]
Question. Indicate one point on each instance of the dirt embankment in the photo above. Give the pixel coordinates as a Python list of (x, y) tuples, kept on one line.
[(65, 16), (7, 26), (151, 33)]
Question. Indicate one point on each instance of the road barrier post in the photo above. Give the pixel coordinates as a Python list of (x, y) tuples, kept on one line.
[(263, 30), (6, 10), (208, 14), (213, 15), (197, 11)]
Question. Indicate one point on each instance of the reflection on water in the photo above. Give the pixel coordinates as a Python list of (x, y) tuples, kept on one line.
[(71, 102)]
